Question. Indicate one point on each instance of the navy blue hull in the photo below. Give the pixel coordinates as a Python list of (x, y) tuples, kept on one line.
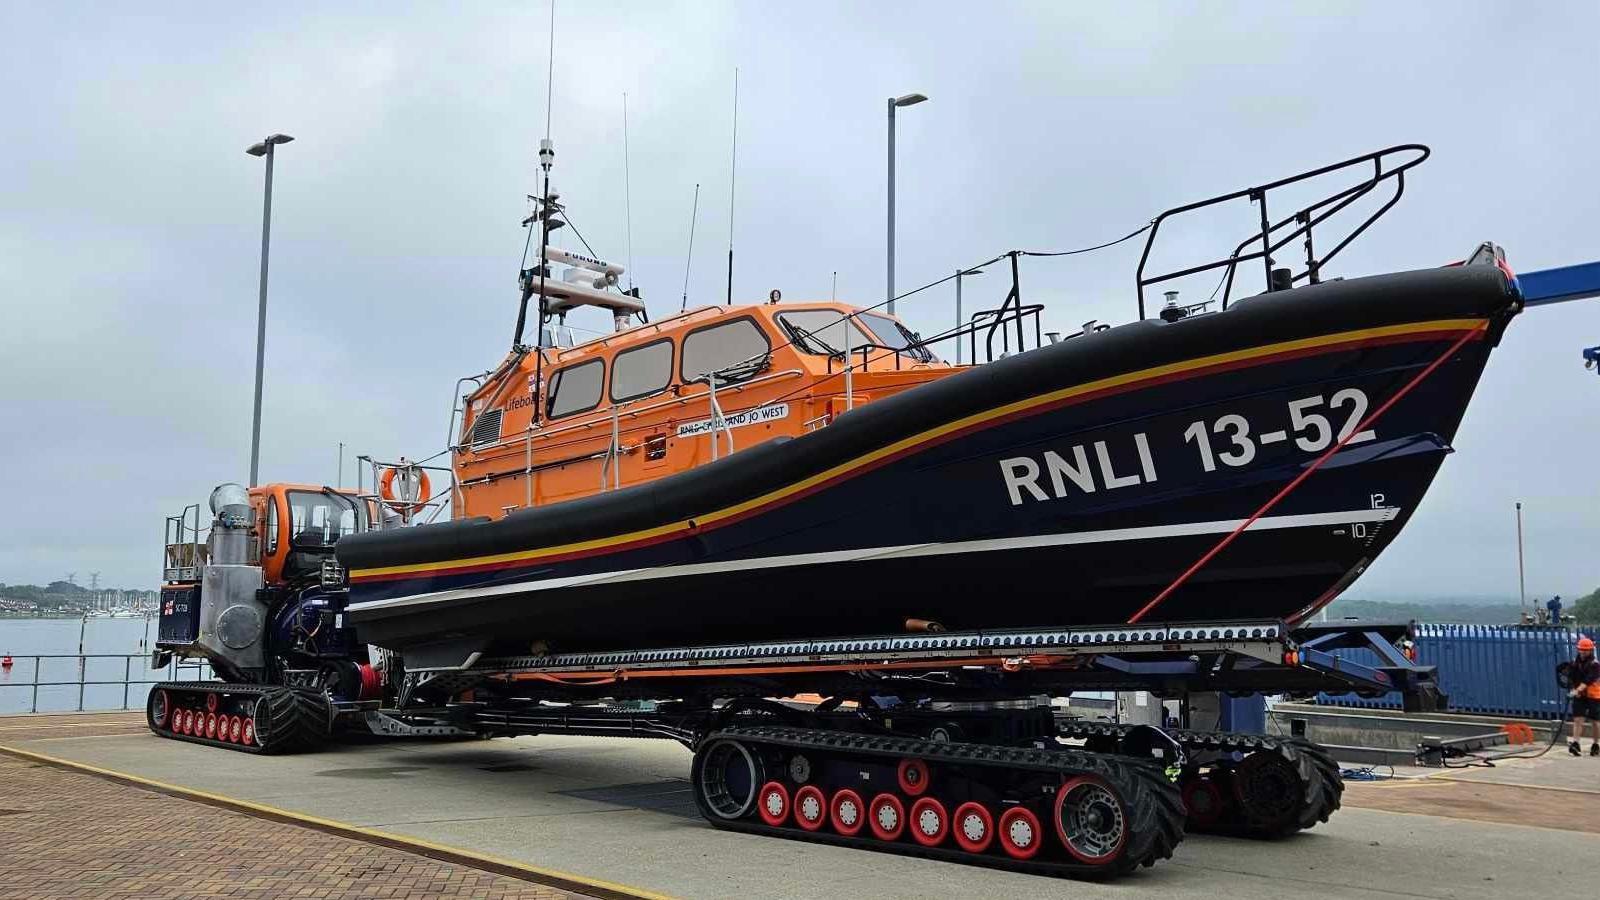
[(1005, 504)]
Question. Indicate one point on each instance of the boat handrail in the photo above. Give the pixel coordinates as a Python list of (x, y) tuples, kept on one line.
[(1305, 218)]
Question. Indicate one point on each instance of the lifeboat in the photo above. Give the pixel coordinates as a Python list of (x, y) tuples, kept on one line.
[(793, 470)]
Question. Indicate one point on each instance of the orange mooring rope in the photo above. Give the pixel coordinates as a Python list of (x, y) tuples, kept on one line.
[(1299, 479)]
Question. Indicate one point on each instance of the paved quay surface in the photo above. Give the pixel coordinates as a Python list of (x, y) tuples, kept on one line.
[(619, 811), (71, 834)]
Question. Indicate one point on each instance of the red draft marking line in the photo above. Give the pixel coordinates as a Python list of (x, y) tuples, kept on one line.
[(1299, 479)]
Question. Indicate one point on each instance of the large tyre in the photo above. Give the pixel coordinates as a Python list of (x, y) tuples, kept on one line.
[(1155, 816), (1304, 782), (1325, 787), (290, 721)]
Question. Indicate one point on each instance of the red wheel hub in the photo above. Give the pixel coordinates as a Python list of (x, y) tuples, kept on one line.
[(1090, 820), (1203, 801), (211, 703), (810, 807), (974, 827), (235, 729), (913, 776), (847, 811), (249, 737), (887, 817), (930, 823), (211, 725), (773, 803), (1020, 833)]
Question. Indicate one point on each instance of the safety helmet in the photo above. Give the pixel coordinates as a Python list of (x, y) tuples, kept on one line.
[(1585, 645)]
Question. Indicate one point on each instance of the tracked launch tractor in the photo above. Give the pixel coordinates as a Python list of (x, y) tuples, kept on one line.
[(260, 600)]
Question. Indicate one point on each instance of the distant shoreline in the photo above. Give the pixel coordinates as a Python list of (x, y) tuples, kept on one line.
[(55, 616)]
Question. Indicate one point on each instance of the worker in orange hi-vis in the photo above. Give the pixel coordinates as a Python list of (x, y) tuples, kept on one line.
[(1584, 676)]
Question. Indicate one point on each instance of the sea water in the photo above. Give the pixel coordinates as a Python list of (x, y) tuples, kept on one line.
[(23, 639)]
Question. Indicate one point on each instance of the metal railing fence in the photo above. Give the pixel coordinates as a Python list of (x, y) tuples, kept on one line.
[(1507, 670), (36, 666)]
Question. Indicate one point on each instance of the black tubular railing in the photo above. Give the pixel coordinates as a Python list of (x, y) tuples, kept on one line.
[(1304, 220)]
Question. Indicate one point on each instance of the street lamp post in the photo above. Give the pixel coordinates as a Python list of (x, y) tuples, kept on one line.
[(960, 274), (894, 103), (262, 148)]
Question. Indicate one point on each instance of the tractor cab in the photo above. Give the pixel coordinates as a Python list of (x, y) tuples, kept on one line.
[(297, 527), (292, 528)]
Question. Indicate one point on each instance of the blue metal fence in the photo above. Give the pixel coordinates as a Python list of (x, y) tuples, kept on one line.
[(1505, 670)]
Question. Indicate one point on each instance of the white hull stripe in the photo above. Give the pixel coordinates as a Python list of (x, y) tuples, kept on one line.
[(906, 551)]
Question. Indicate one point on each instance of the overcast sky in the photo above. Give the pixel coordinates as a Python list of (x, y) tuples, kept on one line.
[(130, 215)]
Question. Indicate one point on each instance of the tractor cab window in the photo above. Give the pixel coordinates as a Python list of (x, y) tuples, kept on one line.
[(272, 525), (318, 519)]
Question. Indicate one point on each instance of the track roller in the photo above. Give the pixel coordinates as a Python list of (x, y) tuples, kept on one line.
[(1050, 811), (247, 717)]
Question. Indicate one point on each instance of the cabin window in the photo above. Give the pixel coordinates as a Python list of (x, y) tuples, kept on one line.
[(272, 525), (641, 371), (823, 331), (576, 388), (736, 350), (892, 334)]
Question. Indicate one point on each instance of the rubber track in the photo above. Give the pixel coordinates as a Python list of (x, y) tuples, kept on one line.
[(295, 720), (1318, 771), (1153, 804)]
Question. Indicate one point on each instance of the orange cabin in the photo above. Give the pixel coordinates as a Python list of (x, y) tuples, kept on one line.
[(636, 405)]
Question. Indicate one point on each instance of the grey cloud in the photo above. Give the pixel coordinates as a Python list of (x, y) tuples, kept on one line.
[(129, 213)]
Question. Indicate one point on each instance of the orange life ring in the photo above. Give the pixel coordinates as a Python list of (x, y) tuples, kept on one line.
[(399, 505)]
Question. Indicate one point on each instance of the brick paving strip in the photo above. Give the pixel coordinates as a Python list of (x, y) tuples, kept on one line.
[(73, 833), (1481, 801)]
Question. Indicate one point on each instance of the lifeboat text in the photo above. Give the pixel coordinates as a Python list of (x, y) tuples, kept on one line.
[(1074, 469)]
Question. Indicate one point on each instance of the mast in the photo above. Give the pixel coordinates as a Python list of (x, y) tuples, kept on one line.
[(733, 180)]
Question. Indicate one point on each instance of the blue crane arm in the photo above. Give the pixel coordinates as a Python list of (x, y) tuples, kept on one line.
[(1560, 284)]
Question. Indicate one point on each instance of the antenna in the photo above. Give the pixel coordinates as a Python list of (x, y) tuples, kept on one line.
[(627, 187), (550, 73), (733, 180), (693, 213), (547, 155), (836, 284)]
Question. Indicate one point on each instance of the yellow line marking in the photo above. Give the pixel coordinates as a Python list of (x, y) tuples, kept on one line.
[(932, 433), (236, 803), (5, 728), (1455, 779)]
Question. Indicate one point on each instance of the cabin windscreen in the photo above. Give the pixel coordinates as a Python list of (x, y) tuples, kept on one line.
[(319, 519), (823, 331), (892, 334)]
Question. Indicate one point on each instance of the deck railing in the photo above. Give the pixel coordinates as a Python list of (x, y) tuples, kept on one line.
[(135, 670)]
